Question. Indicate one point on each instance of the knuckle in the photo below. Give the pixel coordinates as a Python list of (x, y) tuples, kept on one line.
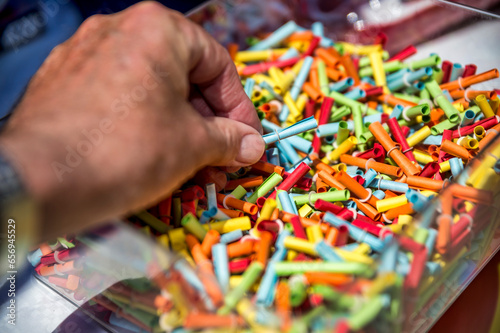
[(92, 23), (147, 10)]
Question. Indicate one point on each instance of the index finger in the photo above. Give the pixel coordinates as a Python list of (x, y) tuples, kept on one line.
[(213, 71)]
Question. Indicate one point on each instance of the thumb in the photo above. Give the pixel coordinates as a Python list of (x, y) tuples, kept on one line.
[(232, 143)]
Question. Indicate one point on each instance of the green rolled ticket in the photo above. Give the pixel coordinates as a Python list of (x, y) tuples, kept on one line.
[(389, 66), (147, 319), (239, 192), (417, 110), (355, 268), (357, 117), (191, 224), (152, 221), (251, 275), (406, 97), (343, 132), (396, 300), (420, 235), (268, 184), (341, 99), (322, 77), (367, 312), (365, 61), (340, 113), (445, 124), (424, 94), (443, 102), (339, 48), (431, 61), (316, 312), (298, 289), (327, 292), (341, 195), (437, 74)]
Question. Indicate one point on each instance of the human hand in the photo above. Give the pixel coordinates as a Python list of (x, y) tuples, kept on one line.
[(123, 113)]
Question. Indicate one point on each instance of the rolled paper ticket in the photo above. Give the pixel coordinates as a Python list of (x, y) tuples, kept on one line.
[(368, 312), (418, 136), (223, 227), (378, 68), (456, 150), (390, 203), (409, 77), (285, 202), (329, 179), (221, 265), (384, 139), (342, 85), (300, 144), (267, 169), (355, 188), (425, 183), (432, 168), (343, 148), (212, 237), (342, 100), (253, 56), (393, 186), (367, 209), (292, 179), (247, 183), (400, 138), (290, 268), (276, 37), (386, 169), (230, 237), (436, 93), (297, 85), (294, 112), (349, 68), (389, 66), (467, 130), (333, 128), (463, 83), (442, 126), (483, 104), (265, 66), (191, 224), (250, 276), (443, 241), (323, 78), (230, 202), (369, 176), (355, 94), (340, 195), (356, 233), (299, 127), (262, 253), (484, 197), (401, 210), (273, 180), (330, 59), (300, 245)]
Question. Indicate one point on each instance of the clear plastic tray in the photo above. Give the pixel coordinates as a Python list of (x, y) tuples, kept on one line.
[(119, 265)]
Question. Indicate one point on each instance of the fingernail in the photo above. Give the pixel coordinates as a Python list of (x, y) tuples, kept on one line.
[(220, 180), (251, 149)]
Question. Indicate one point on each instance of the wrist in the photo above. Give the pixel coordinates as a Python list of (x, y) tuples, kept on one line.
[(19, 228), (33, 158)]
